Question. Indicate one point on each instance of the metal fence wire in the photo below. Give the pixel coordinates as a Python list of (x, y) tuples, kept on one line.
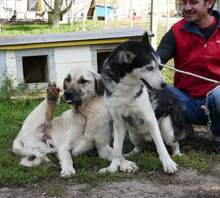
[(89, 14)]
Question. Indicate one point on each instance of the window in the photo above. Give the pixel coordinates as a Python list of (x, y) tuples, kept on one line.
[(99, 53), (101, 56), (35, 69)]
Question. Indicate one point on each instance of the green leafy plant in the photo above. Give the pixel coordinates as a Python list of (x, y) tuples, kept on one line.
[(9, 90)]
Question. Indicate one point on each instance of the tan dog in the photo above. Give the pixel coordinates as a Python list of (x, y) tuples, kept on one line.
[(41, 15), (85, 126)]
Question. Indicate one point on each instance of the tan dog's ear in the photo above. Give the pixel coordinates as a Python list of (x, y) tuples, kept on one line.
[(64, 85), (65, 81), (99, 86)]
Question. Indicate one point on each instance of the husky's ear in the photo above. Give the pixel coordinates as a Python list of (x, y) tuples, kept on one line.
[(145, 38), (99, 86), (129, 57)]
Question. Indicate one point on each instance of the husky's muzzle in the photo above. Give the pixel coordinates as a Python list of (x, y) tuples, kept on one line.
[(162, 85), (72, 97)]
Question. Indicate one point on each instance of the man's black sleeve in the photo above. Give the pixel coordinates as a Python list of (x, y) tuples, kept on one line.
[(167, 47)]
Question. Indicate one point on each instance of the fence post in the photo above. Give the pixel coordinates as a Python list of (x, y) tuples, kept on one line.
[(131, 13), (153, 22), (71, 17), (84, 16), (105, 14), (168, 15)]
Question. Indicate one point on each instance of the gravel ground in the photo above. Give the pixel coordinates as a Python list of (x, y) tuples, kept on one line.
[(183, 184)]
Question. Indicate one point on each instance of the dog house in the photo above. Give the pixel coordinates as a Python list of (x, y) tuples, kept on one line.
[(37, 59)]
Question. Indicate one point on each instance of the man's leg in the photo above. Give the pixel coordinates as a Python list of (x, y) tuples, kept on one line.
[(191, 107), (214, 108), (194, 114)]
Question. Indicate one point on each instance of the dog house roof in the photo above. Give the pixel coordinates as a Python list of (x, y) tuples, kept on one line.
[(76, 38)]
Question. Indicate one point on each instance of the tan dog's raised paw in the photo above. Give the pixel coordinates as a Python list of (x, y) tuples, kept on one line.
[(52, 92)]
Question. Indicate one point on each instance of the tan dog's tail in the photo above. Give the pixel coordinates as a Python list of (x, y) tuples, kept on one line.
[(33, 157)]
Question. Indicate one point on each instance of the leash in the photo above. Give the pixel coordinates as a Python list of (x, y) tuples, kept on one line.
[(191, 74), (204, 107)]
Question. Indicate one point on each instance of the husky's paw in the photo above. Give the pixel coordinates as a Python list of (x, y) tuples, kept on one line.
[(128, 167), (113, 166), (177, 154), (68, 172), (169, 166), (108, 169), (52, 92), (132, 153), (176, 149)]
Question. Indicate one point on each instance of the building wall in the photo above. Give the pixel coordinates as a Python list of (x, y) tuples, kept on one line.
[(2, 66), (67, 58), (100, 11), (61, 60), (11, 68)]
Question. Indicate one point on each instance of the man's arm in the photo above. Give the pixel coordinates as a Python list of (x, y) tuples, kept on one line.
[(167, 47)]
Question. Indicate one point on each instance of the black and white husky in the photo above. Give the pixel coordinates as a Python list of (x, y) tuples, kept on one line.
[(139, 102)]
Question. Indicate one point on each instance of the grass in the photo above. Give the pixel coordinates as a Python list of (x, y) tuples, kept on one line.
[(12, 114), (29, 29), (15, 30)]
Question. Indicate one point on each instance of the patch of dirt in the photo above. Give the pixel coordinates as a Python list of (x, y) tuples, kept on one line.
[(183, 184)]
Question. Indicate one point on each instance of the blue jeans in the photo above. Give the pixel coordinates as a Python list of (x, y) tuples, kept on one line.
[(193, 112)]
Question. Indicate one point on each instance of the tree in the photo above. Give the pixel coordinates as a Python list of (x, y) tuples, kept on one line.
[(57, 12)]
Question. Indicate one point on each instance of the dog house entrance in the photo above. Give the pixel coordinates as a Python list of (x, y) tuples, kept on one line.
[(101, 56), (35, 69)]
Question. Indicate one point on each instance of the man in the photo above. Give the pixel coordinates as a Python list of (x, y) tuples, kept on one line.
[(194, 43)]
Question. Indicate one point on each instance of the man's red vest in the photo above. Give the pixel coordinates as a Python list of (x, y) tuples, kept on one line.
[(195, 54)]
